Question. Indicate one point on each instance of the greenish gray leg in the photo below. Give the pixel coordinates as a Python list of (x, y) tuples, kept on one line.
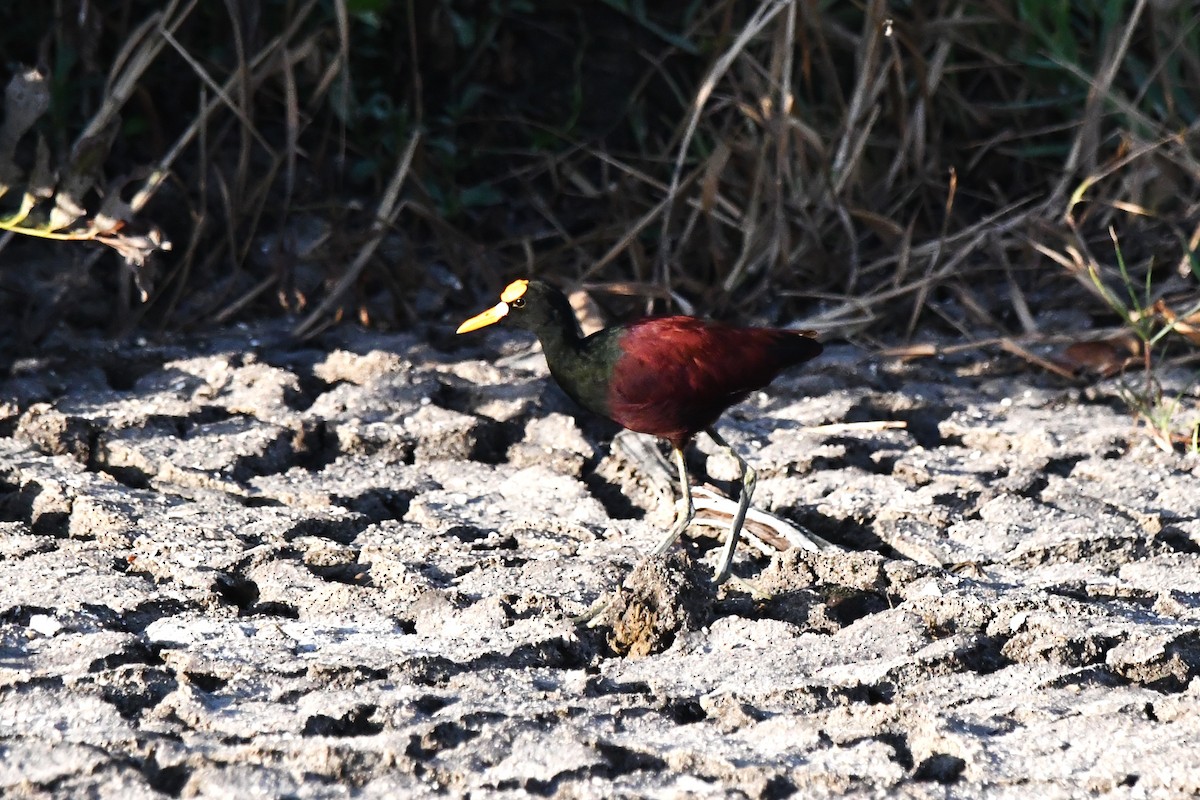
[(684, 510), (749, 477)]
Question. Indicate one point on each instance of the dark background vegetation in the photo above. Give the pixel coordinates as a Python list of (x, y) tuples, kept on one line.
[(869, 167)]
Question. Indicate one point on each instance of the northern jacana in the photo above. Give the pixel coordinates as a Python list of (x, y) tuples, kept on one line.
[(667, 376)]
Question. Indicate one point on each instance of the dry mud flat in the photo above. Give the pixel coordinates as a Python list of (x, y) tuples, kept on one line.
[(246, 567)]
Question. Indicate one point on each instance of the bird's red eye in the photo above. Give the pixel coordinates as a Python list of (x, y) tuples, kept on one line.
[(518, 303)]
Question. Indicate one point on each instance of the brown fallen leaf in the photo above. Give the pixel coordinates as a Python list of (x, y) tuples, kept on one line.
[(1187, 326), (1105, 357)]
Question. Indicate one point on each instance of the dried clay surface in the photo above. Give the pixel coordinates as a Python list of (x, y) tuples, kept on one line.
[(247, 567)]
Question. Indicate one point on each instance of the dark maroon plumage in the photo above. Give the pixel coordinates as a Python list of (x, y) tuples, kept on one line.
[(676, 375)]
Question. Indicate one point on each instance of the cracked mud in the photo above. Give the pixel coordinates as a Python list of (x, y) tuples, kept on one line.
[(252, 567)]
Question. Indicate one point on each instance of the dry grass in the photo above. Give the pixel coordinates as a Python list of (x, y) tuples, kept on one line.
[(873, 170)]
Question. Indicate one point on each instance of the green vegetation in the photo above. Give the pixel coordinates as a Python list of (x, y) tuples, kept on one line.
[(1148, 316)]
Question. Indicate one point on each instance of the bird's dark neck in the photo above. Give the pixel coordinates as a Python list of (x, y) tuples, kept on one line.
[(559, 333), (580, 365)]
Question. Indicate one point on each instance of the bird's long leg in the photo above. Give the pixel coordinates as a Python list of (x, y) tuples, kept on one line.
[(749, 478), (684, 510)]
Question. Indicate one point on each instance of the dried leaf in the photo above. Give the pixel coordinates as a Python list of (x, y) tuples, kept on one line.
[(136, 249), (87, 164), (113, 214), (1187, 327), (1105, 358), (26, 98), (42, 178)]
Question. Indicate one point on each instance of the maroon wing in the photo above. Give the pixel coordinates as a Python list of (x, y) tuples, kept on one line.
[(676, 375)]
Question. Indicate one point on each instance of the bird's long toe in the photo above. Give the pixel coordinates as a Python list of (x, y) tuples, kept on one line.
[(684, 512)]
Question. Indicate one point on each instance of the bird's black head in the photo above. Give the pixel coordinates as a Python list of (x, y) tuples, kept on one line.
[(532, 305)]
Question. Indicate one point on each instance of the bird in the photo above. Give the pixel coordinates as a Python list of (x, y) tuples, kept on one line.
[(668, 376)]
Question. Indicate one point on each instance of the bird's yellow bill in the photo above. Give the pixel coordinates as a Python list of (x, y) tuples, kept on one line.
[(514, 291), (492, 315)]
